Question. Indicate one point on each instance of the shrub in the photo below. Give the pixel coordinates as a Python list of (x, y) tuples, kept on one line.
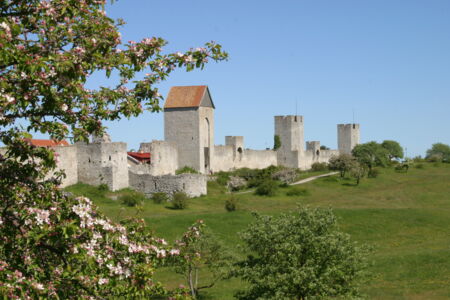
[(419, 166), (231, 204), (267, 188), (103, 187), (297, 191), (159, 198), (132, 198), (255, 182), (180, 200), (186, 169), (283, 185), (318, 166), (403, 167), (373, 173), (222, 177)]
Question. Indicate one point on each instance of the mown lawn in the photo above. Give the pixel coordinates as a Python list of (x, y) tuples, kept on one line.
[(405, 217)]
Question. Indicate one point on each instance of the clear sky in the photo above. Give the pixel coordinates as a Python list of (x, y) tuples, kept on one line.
[(384, 64)]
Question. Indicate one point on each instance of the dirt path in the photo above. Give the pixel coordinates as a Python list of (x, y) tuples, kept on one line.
[(300, 181)]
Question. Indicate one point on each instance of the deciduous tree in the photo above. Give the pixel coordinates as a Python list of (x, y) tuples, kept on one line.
[(439, 151), (300, 256), (395, 151)]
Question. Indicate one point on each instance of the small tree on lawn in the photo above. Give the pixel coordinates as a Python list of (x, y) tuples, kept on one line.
[(342, 163), (201, 253), (300, 256)]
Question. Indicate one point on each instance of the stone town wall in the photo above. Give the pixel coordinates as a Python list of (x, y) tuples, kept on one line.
[(67, 161), (193, 185), (164, 158), (312, 156), (103, 163), (228, 158)]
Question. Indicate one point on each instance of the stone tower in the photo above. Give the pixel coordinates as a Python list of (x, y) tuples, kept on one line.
[(189, 125), (290, 130), (348, 137)]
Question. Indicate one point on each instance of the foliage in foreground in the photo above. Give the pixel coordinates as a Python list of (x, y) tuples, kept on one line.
[(51, 245), (300, 256)]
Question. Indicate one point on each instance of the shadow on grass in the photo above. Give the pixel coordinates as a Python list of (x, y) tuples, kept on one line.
[(349, 184)]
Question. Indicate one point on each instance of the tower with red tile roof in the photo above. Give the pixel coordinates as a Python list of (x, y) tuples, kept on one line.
[(189, 125)]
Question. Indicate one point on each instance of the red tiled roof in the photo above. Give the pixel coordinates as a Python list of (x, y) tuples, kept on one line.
[(140, 156), (185, 96), (47, 143)]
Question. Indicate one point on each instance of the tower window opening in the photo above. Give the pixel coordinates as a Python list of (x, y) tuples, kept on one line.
[(110, 158), (354, 126), (295, 119), (317, 152), (239, 150)]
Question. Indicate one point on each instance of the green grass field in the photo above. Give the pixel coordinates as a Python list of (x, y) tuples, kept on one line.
[(405, 217)]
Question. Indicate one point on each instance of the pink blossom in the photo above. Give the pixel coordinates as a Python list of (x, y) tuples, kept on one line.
[(174, 252)]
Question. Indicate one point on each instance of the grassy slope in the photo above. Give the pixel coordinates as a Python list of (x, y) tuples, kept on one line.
[(405, 217)]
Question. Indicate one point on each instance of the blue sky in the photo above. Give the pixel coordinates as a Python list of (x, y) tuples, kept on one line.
[(386, 61)]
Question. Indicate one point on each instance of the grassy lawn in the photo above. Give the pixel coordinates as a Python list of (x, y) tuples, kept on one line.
[(405, 217)]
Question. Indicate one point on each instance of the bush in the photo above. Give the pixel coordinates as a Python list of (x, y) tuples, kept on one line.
[(231, 204), (318, 166), (103, 187), (373, 173), (283, 185), (159, 198), (298, 191), (222, 177), (419, 166), (132, 198), (255, 182), (267, 188), (180, 200), (185, 170)]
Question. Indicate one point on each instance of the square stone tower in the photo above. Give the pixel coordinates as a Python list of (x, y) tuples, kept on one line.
[(189, 125), (348, 137), (290, 129)]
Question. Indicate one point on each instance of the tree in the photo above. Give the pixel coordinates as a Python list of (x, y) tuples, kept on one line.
[(358, 171), (371, 154), (200, 252), (53, 245), (276, 142), (439, 151), (395, 151), (299, 256), (342, 163)]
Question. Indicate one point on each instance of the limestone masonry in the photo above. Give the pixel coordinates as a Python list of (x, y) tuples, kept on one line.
[(189, 141)]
